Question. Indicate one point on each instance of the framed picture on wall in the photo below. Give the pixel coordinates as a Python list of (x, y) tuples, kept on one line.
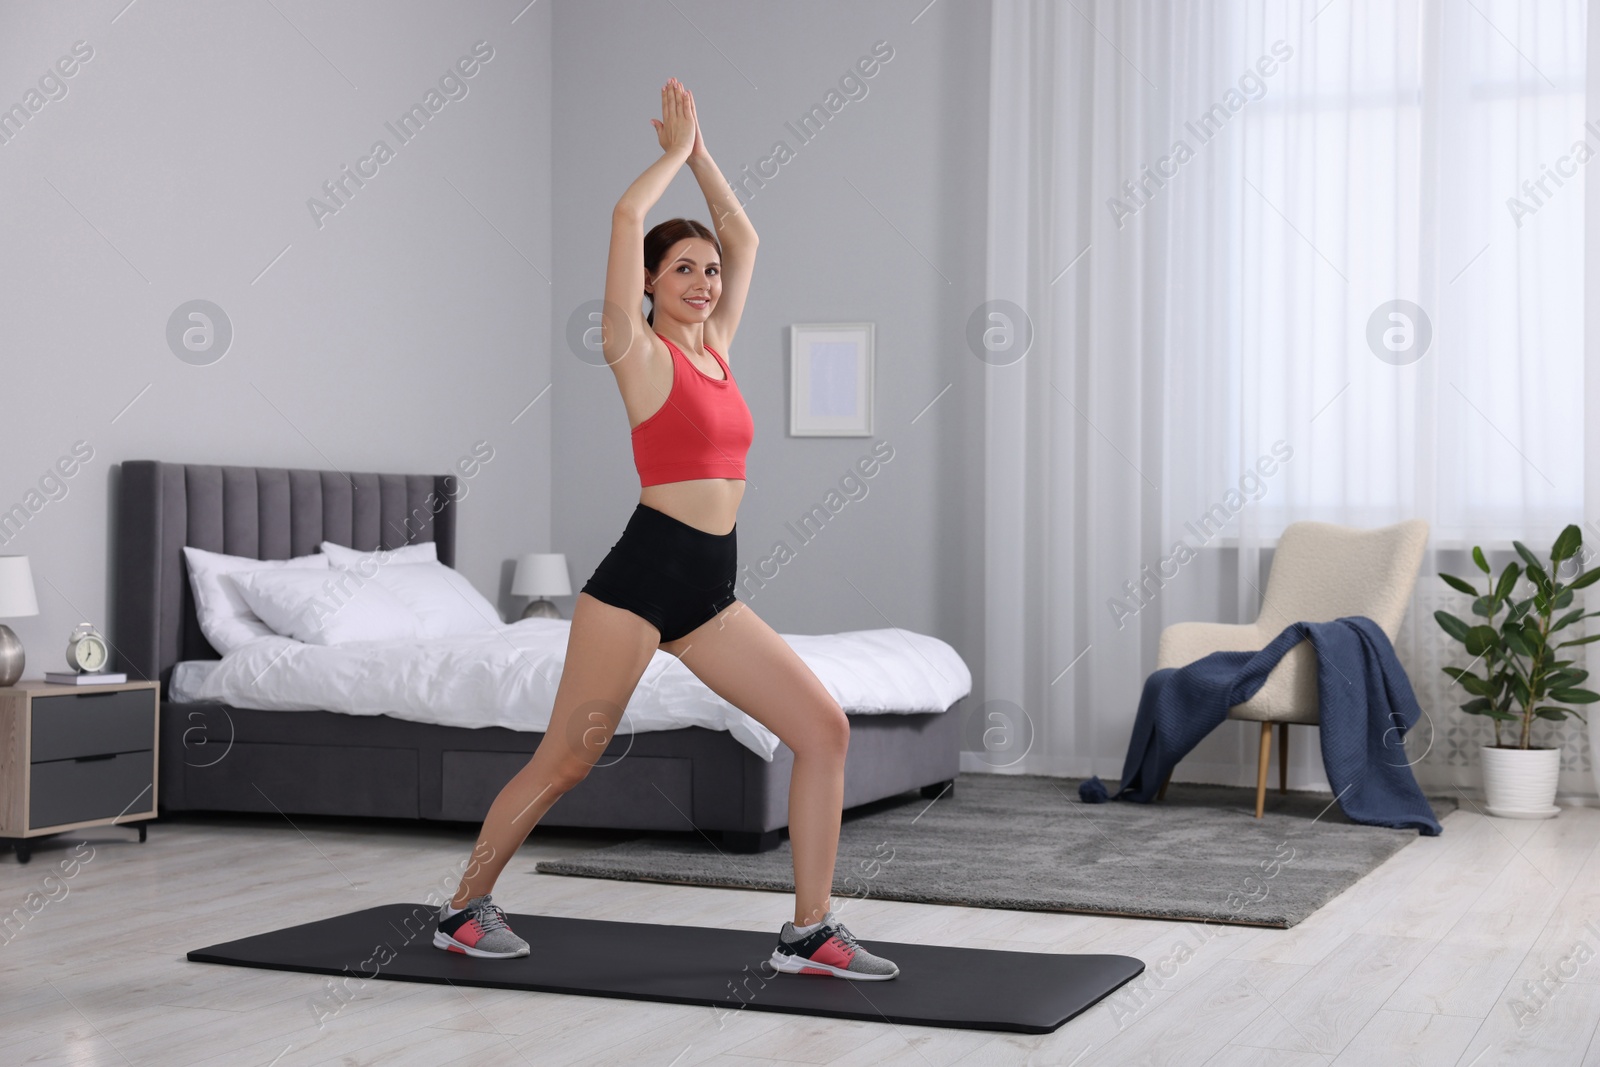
[(830, 379)]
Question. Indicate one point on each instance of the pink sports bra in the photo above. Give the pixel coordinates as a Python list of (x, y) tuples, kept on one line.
[(703, 430)]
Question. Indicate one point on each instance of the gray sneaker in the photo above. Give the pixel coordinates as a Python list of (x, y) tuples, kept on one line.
[(479, 929), (829, 949)]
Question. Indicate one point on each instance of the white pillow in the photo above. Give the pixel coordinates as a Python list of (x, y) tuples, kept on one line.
[(438, 595), (332, 608), (225, 617), (365, 562)]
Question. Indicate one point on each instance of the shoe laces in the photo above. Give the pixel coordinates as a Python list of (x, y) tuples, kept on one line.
[(488, 916), (843, 934)]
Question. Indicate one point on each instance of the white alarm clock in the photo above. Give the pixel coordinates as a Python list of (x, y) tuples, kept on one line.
[(86, 649)]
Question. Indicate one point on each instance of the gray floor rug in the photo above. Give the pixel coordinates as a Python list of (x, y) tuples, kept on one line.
[(1026, 842)]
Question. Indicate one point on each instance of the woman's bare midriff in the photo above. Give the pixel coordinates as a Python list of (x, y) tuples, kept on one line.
[(709, 504)]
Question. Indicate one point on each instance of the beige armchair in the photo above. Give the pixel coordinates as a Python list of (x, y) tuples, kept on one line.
[(1320, 572)]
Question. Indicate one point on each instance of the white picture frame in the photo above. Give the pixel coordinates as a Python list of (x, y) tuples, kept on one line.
[(830, 379)]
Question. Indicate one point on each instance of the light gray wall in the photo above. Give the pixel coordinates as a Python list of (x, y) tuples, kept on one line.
[(178, 165), (425, 315), (879, 218)]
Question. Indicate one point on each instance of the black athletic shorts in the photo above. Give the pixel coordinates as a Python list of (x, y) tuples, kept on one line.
[(674, 575)]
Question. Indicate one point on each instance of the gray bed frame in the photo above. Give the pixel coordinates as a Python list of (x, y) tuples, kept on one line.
[(219, 758)]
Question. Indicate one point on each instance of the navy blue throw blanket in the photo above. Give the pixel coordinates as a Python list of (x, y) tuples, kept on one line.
[(1367, 706)]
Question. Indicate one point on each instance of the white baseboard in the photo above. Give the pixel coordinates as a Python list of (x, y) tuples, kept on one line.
[(1215, 774)]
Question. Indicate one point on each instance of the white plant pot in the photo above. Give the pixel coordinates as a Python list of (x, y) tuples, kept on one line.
[(1521, 783)]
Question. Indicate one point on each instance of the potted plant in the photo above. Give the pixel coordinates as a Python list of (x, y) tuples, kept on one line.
[(1523, 674)]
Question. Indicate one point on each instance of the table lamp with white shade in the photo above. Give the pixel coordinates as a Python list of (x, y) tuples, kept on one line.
[(16, 600), (541, 575)]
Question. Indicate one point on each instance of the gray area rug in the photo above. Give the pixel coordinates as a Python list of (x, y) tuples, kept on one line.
[(1026, 842)]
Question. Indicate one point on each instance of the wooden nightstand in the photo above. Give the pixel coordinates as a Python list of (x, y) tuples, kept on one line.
[(76, 756)]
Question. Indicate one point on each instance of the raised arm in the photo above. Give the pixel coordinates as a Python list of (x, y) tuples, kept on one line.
[(734, 232), (623, 325)]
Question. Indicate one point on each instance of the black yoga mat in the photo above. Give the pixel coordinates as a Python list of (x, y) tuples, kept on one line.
[(974, 989)]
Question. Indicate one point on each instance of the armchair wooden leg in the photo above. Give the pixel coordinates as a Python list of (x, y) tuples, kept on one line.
[(1283, 757), (1161, 794), (1261, 769)]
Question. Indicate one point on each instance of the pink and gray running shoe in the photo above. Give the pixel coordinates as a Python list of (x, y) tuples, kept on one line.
[(479, 929), (831, 950)]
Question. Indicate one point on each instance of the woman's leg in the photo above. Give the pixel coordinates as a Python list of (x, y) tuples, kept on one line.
[(608, 649), (744, 661)]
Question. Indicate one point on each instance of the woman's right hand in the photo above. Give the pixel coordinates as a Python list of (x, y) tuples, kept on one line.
[(675, 128)]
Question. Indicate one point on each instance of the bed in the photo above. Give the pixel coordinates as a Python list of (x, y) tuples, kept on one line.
[(302, 754)]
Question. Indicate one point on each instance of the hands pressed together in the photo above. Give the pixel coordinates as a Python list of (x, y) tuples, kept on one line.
[(678, 129)]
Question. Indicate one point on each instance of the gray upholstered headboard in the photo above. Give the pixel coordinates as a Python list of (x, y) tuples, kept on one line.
[(263, 512)]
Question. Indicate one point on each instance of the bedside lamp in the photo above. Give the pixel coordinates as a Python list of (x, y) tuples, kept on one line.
[(541, 575), (16, 600)]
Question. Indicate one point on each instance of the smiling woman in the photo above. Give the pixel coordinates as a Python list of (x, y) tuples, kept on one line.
[(686, 283), (668, 582)]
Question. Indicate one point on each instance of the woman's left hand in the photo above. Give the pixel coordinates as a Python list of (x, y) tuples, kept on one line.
[(699, 149)]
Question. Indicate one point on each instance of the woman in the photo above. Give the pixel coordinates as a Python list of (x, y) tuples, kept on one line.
[(669, 582)]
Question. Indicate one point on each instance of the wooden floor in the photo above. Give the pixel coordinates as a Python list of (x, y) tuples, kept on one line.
[(1428, 960)]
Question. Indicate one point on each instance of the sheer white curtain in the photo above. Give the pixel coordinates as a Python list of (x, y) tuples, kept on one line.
[(1278, 262)]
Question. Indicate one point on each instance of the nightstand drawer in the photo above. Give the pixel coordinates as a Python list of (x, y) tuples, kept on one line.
[(69, 791), (93, 724)]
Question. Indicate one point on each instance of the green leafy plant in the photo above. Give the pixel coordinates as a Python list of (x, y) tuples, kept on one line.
[(1523, 676)]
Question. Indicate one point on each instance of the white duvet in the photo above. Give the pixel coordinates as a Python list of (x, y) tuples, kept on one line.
[(507, 677)]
